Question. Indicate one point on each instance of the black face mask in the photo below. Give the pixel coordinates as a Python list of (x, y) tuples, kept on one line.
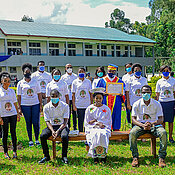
[(27, 75)]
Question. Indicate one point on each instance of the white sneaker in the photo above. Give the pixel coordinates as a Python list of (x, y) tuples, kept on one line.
[(31, 143), (37, 143)]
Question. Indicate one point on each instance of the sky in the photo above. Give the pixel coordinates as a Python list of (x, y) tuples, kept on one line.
[(73, 12)]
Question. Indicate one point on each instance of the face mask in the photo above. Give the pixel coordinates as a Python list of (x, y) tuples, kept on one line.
[(100, 74), (55, 100), (128, 69), (27, 75), (111, 75), (138, 74), (146, 96), (69, 70), (56, 77), (41, 68), (81, 75), (165, 74)]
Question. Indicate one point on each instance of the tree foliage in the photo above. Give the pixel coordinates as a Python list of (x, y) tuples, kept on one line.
[(26, 18)]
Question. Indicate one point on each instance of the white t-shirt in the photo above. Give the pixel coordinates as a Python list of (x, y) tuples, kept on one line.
[(56, 115), (134, 86), (166, 89), (95, 82), (81, 90), (43, 79), (69, 79), (126, 77), (7, 100), (29, 92), (146, 113), (61, 86)]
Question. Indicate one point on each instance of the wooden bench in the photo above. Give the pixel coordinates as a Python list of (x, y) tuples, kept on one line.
[(115, 135)]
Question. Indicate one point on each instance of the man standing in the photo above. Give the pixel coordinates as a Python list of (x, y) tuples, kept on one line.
[(113, 101), (69, 77), (43, 78)]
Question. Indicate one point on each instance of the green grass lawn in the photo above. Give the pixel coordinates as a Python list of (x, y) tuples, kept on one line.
[(118, 161)]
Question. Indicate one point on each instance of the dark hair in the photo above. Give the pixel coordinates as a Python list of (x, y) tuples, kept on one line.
[(55, 91), (97, 93), (146, 86), (100, 68), (164, 67), (4, 75), (127, 64), (41, 62), (26, 65), (136, 65), (172, 74), (81, 68), (54, 70)]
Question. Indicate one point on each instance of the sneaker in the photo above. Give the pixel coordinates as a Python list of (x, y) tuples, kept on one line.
[(171, 140), (103, 159), (135, 162), (44, 160), (96, 160), (14, 155), (37, 143), (6, 156), (65, 160), (162, 163), (31, 143)]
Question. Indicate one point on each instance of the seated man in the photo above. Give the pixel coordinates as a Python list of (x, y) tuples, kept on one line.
[(147, 117), (56, 115)]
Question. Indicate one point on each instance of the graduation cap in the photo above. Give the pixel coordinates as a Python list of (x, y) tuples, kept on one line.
[(112, 67)]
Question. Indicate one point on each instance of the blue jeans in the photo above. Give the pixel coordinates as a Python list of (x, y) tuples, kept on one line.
[(156, 131), (32, 116), (127, 113)]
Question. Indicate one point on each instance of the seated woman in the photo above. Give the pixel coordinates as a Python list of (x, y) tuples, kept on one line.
[(97, 124)]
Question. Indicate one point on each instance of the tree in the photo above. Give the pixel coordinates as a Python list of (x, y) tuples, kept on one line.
[(26, 18)]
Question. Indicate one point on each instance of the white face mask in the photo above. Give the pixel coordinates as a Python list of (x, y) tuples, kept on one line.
[(69, 70)]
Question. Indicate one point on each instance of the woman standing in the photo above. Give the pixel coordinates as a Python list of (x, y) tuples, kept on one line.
[(30, 102), (97, 124), (9, 113), (59, 85), (165, 93)]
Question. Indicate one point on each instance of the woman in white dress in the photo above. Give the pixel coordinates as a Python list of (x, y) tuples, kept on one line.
[(97, 124)]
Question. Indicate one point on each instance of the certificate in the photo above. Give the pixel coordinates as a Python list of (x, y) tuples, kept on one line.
[(114, 88)]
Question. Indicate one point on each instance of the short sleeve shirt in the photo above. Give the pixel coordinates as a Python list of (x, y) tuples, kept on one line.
[(126, 77), (43, 79), (166, 89), (61, 86), (95, 82), (146, 113), (56, 115), (134, 86), (81, 90), (68, 79), (7, 100), (29, 92)]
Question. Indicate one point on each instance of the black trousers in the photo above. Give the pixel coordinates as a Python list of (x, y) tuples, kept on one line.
[(74, 116), (12, 120), (81, 114), (46, 133)]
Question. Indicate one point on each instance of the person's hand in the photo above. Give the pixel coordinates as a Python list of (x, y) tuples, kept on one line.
[(20, 111), (100, 124), (74, 108), (41, 108), (129, 106), (92, 121), (147, 126), (57, 133), (54, 134), (1, 121), (120, 94), (43, 95), (18, 117)]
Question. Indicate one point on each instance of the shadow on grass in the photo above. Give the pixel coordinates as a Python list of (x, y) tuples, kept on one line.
[(5, 166)]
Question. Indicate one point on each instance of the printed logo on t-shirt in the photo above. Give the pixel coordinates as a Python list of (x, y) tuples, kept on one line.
[(138, 92), (146, 117), (57, 121), (69, 87), (30, 92), (8, 106), (43, 84), (167, 93), (91, 109), (83, 93)]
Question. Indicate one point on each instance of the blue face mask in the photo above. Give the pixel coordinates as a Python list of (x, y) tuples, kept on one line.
[(165, 74), (128, 69), (111, 75), (41, 68), (138, 74), (81, 75), (55, 100), (146, 96), (100, 74), (56, 77)]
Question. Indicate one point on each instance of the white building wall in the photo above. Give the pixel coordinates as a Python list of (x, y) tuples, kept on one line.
[(24, 47), (122, 48), (79, 49), (94, 49), (43, 48), (61, 48), (2, 49)]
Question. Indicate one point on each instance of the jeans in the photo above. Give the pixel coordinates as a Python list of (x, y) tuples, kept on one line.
[(127, 113), (81, 114), (5, 128), (74, 116), (32, 116), (46, 133), (156, 131)]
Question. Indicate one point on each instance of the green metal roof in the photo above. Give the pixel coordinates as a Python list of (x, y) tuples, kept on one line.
[(67, 31)]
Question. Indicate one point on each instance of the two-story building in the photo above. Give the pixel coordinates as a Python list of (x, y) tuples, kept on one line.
[(58, 44)]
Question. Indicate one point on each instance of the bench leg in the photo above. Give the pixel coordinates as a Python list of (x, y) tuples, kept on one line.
[(153, 147), (54, 149)]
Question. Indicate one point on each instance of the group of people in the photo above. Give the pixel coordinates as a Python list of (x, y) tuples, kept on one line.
[(97, 111)]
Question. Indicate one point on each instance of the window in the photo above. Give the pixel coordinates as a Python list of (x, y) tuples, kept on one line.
[(53, 52), (52, 68), (103, 47), (34, 44), (88, 46), (0, 69), (103, 53), (34, 69), (56, 45), (88, 50), (15, 51), (34, 51), (138, 52), (13, 70), (14, 43), (71, 52), (117, 51), (71, 46), (126, 52)]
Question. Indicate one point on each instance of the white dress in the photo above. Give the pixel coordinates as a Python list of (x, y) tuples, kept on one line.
[(96, 136)]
